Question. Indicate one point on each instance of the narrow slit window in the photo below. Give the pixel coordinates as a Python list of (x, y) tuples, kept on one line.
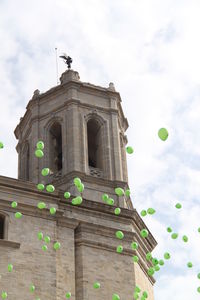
[(56, 147), (2, 219), (94, 144)]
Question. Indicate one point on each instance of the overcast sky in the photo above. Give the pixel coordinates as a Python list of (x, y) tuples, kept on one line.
[(150, 49)]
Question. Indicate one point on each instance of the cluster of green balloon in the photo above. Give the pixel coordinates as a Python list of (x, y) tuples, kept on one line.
[(163, 134), (107, 199), (18, 214), (149, 211), (175, 235), (156, 263), (79, 185), (38, 152), (1, 145), (137, 292), (47, 240)]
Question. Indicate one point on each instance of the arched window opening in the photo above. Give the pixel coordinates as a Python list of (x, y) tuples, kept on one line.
[(56, 147), (2, 221), (95, 151)]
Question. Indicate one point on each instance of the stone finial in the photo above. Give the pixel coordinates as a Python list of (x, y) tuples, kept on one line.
[(69, 75), (111, 86), (36, 93)]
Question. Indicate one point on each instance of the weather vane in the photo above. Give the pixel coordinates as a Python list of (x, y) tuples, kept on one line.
[(67, 60)]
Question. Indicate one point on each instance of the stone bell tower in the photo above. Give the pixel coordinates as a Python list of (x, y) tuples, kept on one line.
[(83, 128)]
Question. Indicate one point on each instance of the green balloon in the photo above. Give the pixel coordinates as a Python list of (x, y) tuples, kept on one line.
[(68, 295), (18, 215), (198, 289), (161, 262), (163, 134), (127, 193), (4, 295), (47, 239), (145, 294), (10, 267), (81, 188), (156, 268), (41, 205), (77, 181), (110, 201), (40, 186), (166, 255), (154, 261), (77, 201), (32, 288), (50, 188), (14, 204), (1, 145), (148, 256), (96, 285), (189, 264), (174, 236), (44, 247), (198, 275), (45, 171), (178, 205), (137, 289), (143, 213), (117, 211), (56, 245), (39, 153), (119, 249), (40, 145), (105, 197), (119, 191), (40, 236), (67, 195), (52, 210), (129, 150), (135, 258), (144, 233), (185, 238), (199, 229), (115, 297), (119, 234), (134, 245), (150, 271), (169, 229), (151, 211)]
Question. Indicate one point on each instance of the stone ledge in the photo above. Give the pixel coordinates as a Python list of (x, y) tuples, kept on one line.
[(10, 244)]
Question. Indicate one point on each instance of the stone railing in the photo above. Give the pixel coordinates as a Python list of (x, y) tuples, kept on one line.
[(96, 172)]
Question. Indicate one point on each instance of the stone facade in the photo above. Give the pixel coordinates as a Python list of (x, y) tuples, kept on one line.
[(86, 232)]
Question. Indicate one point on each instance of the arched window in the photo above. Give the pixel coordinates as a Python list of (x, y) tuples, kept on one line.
[(2, 225), (95, 147), (56, 147)]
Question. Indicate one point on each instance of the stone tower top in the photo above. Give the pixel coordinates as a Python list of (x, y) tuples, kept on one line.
[(83, 129), (69, 75)]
